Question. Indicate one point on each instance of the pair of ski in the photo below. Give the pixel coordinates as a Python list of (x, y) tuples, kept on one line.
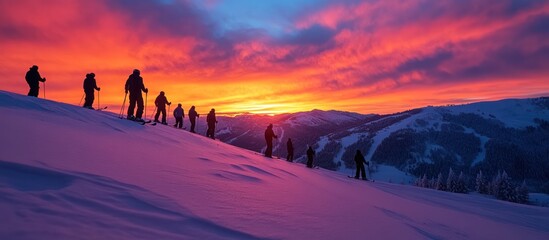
[(369, 180), (99, 109), (143, 122)]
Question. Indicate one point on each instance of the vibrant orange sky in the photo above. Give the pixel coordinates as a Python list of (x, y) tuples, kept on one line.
[(281, 56)]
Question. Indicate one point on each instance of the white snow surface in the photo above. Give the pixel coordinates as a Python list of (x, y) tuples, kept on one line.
[(318, 117), (73, 173), (514, 113)]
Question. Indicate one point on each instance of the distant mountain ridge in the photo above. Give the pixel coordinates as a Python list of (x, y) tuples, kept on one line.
[(510, 135)]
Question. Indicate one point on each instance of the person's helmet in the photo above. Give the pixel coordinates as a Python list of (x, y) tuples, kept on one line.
[(270, 125), (179, 104), (162, 93), (213, 109), (34, 67), (136, 71), (92, 74)]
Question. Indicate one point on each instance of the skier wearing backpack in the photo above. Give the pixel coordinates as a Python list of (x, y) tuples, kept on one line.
[(160, 103), (192, 117), (33, 78), (359, 160), (269, 135), (89, 86), (135, 86), (178, 114), (212, 121)]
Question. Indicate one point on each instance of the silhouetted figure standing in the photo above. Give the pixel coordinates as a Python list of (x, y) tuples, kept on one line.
[(178, 114), (192, 117), (359, 160), (310, 155), (160, 103), (33, 79), (212, 121), (269, 135), (290, 148), (135, 85), (89, 86)]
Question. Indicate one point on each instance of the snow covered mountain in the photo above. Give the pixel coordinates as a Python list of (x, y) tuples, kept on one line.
[(304, 128), (73, 173), (510, 135)]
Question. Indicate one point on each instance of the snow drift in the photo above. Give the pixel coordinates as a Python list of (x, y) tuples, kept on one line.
[(73, 173)]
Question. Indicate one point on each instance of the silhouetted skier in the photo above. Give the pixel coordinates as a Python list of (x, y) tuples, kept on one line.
[(269, 135), (89, 86), (33, 79), (178, 114), (135, 85), (290, 148), (192, 117), (212, 121), (310, 155), (160, 103), (359, 160)]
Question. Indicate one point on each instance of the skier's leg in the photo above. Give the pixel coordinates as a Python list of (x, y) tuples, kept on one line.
[(131, 106), (193, 121), (157, 115), (140, 106), (163, 115)]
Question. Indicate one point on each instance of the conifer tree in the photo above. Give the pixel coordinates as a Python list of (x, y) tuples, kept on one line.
[(504, 189), (522, 193), (461, 186), (493, 187), (451, 181), (424, 181), (439, 185), (481, 185), (432, 182)]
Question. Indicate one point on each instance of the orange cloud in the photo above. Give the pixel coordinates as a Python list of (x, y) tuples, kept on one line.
[(371, 56)]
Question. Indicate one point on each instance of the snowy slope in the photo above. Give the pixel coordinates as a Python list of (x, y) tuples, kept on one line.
[(319, 117), (73, 173), (514, 113)]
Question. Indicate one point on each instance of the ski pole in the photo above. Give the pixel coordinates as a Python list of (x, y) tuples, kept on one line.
[(168, 112), (152, 114), (81, 99), (98, 100), (44, 89), (122, 108), (146, 96)]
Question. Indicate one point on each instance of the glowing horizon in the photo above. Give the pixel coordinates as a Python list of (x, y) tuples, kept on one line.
[(271, 57)]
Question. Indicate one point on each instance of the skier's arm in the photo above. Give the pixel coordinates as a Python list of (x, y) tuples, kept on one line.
[(95, 85), (127, 86), (143, 88), (41, 79)]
